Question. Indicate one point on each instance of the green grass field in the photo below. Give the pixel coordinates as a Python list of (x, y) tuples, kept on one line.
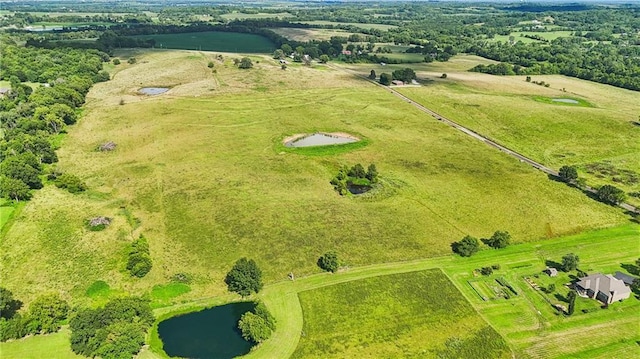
[(519, 36), (362, 318), (201, 169), (213, 41), (242, 16), (526, 321), (360, 25), (523, 116)]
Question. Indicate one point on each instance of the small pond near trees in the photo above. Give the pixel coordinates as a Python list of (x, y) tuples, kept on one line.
[(209, 334)]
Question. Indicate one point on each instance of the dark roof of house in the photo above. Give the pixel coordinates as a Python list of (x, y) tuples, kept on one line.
[(627, 279)]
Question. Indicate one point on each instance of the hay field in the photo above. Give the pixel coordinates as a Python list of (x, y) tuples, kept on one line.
[(304, 34), (391, 316), (199, 172)]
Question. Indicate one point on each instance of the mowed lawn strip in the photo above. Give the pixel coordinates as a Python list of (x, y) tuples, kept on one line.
[(391, 316)]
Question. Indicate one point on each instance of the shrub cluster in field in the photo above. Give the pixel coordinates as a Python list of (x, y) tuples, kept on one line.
[(355, 175), (139, 261), (30, 118), (329, 262), (469, 245), (114, 331), (45, 315), (257, 325), (67, 181), (607, 193)]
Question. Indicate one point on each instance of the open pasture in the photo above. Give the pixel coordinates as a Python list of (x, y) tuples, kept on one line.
[(200, 170), (213, 41), (263, 15), (392, 316), (304, 34), (601, 128), (383, 27)]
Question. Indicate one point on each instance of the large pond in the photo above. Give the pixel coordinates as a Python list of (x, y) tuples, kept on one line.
[(153, 90), (320, 139), (212, 333), (565, 100)]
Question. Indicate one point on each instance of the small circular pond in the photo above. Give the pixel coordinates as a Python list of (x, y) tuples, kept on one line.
[(319, 139), (211, 333), (153, 90), (565, 100)]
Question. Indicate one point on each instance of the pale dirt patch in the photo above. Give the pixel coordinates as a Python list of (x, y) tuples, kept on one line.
[(301, 135)]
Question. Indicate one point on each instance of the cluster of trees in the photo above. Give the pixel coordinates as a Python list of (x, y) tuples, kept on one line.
[(607, 193), (356, 176), (28, 118), (329, 262), (469, 245), (45, 315), (244, 278), (114, 331), (139, 261), (257, 325)]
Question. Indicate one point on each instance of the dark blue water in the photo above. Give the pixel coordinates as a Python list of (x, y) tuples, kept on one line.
[(208, 334)]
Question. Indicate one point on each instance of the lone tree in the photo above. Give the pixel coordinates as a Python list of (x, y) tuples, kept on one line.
[(245, 63), (569, 262), (329, 262), (245, 277), (499, 239), (324, 58), (372, 75), (611, 194), (568, 174), (385, 79), (466, 247)]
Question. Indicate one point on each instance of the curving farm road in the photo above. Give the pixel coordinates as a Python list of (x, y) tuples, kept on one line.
[(477, 136)]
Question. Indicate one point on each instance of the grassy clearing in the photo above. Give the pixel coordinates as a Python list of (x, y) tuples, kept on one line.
[(527, 322), (304, 34), (213, 41), (360, 319), (383, 27), (242, 16), (162, 295), (40, 346), (520, 36), (201, 169), (522, 116)]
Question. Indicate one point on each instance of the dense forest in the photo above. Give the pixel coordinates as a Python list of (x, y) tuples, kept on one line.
[(47, 87)]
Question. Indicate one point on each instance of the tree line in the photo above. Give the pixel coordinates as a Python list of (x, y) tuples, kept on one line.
[(29, 118)]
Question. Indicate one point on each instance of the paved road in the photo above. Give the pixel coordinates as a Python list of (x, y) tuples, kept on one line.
[(476, 135)]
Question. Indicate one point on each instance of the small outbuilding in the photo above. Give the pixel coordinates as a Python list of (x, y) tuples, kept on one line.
[(552, 272)]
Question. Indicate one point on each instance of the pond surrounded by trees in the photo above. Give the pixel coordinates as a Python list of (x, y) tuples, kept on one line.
[(210, 333), (319, 139)]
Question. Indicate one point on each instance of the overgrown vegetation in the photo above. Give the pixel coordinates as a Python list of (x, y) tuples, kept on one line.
[(257, 325), (139, 261), (355, 179), (45, 315), (114, 331)]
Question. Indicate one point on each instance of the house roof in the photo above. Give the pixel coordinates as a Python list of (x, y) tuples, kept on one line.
[(603, 283), (627, 279)]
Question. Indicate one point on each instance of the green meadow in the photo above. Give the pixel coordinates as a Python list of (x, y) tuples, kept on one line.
[(213, 41), (362, 318), (201, 171)]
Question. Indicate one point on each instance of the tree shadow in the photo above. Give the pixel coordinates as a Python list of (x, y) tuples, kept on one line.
[(553, 264), (632, 269), (561, 297)]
